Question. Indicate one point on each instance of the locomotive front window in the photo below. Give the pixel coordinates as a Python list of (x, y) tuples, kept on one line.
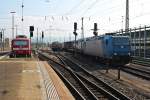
[(121, 41), (20, 43), (106, 42)]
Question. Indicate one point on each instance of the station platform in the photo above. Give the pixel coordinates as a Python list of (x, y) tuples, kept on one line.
[(31, 80)]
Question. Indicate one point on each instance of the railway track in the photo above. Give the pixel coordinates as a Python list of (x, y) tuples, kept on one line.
[(98, 70), (75, 85), (88, 89), (86, 76), (141, 61), (4, 53), (140, 72), (145, 74)]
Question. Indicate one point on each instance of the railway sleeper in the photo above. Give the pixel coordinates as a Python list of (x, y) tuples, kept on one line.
[(112, 89), (99, 90), (90, 96)]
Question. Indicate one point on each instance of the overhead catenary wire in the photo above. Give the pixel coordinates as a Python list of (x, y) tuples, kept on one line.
[(116, 20), (74, 7), (90, 7)]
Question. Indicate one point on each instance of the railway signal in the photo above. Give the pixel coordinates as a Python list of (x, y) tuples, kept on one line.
[(1, 35), (31, 31), (31, 28), (31, 34), (42, 34), (75, 33), (75, 29), (75, 26), (42, 38), (95, 29)]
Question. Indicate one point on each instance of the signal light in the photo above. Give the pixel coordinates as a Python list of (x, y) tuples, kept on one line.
[(75, 33), (95, 33), (31, 28), (31, 33), (1, 35), (75, 26), (42, 34), (95, 26)]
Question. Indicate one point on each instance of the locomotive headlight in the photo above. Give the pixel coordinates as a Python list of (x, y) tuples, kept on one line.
[(122, 46), (115, 54), (129, 53)]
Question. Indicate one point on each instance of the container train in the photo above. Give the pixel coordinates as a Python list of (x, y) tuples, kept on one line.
[(20, 46), (111, 49)]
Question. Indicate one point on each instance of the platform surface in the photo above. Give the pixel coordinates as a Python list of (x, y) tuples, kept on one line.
[(23, 80)]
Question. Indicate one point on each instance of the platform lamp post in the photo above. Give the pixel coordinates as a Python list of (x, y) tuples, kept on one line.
[(12, 23)]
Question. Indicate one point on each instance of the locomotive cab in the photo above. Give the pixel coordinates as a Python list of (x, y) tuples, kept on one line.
[(20, 46), (118, 49)]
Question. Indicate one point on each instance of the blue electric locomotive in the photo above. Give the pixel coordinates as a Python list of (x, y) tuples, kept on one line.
[(113, 49)]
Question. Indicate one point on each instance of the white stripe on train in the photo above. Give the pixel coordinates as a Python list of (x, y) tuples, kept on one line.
[(21, 49)]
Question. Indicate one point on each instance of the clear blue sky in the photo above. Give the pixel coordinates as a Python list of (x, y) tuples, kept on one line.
[(37, 7), (31, 7), (107, 13)]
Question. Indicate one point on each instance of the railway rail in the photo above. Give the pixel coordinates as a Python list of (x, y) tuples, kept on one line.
[(3, 53), (141, 61), (97, 69), (140, 72), (145, 74), (88, 89), (96, 90), (75, 85), (85, 75)]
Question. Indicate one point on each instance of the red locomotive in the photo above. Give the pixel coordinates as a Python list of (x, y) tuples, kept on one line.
[(21, 46)]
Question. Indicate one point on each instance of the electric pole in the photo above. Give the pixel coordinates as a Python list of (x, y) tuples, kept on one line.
[(50, 35), (82, 34), (121, 26), (1, 36), (42, 39), (13, 24), (127, 16), (22, 19), (122, 22), (3, 39), (16, 29), (22, 11), (37, 39)]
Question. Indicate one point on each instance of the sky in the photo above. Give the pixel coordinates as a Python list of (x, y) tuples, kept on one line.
[(56, 17)]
